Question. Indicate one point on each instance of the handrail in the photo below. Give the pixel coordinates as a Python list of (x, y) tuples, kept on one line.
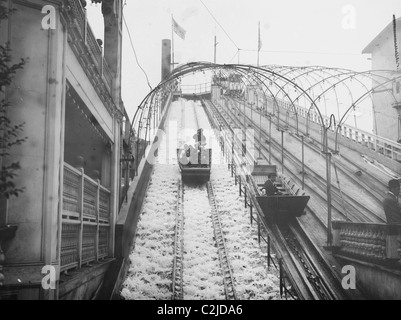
[(185, 89), (371, 242), (302, 287), (372, 141), (89, 39)]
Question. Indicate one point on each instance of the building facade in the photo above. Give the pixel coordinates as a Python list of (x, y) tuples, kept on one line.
[(68, 96), (386, 110)]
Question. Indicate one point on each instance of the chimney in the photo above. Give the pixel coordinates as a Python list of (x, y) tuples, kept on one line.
[(166, 58)]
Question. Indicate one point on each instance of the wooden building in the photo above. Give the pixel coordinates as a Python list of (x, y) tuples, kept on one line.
[(386, 109), (69, 97)]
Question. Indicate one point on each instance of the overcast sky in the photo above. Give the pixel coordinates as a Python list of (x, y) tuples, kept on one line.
[(293, 32)]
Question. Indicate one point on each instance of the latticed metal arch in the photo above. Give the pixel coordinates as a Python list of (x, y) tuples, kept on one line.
[(273, 75)]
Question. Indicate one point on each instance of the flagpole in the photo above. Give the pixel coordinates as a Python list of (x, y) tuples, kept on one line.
[(172, 42), (258, 42)]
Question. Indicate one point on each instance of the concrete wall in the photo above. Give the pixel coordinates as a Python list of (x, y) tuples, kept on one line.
[(377, 282), (84, 285)]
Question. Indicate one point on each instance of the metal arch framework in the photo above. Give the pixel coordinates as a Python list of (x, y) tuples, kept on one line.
[(334, 73), (262, 83), (193, 67), (280, 77)]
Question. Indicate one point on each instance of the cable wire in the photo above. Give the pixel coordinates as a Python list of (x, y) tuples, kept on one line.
[(136, 58), (219, 24), (305, 52), (234, 56)]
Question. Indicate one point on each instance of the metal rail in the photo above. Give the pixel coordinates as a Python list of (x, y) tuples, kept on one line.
[(302, 254), (228, 279), (358, 208), (305, 286), (178, 288)]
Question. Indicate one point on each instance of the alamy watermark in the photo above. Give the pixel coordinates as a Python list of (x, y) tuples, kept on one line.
[(49, 21), (49, 279), (349, 17), (349, 280)]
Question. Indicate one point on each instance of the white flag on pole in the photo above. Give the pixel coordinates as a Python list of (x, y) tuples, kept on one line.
[(178, 30)]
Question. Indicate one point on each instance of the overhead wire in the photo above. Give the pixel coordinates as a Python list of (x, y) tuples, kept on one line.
[(236, 53), (136, 58), (219, 25), (303, 52)]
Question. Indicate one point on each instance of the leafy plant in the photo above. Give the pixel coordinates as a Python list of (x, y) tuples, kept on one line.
[(9, 132)]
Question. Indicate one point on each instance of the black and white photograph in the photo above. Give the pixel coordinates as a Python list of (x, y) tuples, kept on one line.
[(199, 158)]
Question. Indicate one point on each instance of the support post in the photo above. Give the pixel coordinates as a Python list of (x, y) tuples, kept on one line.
[(328, 179), (282, 151), (303, 162), (270, 140)]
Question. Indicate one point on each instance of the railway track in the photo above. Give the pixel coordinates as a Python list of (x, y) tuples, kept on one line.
[(354, 210), (178, 267), (348, 169), (293, 171), (178, 258), (303, 255), (312, 269), (229, 284)]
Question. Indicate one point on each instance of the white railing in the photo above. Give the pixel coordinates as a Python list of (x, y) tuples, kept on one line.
[(367, 241), (196, 89), (388, 148)]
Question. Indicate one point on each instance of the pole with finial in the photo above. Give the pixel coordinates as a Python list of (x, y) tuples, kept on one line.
[(172, 42), (397, 58)]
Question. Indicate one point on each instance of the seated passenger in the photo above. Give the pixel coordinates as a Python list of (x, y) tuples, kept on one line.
[(183, 157), (269, 187)]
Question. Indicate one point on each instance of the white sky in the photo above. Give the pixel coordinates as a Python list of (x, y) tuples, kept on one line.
[(293, 32)]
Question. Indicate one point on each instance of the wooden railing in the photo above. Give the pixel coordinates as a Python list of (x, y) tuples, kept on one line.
[(377, 243), (86, 220)]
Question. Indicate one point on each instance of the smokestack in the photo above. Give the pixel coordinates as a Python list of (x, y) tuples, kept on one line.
[(166, 58)]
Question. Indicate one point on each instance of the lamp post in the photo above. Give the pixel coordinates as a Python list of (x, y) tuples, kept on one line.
[(270, 137), (260, 129), (328, 178), (251, 104), (244, 132), (282, 151), (127, 161), (303, 162)]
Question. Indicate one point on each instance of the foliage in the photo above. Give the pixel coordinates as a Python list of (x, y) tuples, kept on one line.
[(9, 132)]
